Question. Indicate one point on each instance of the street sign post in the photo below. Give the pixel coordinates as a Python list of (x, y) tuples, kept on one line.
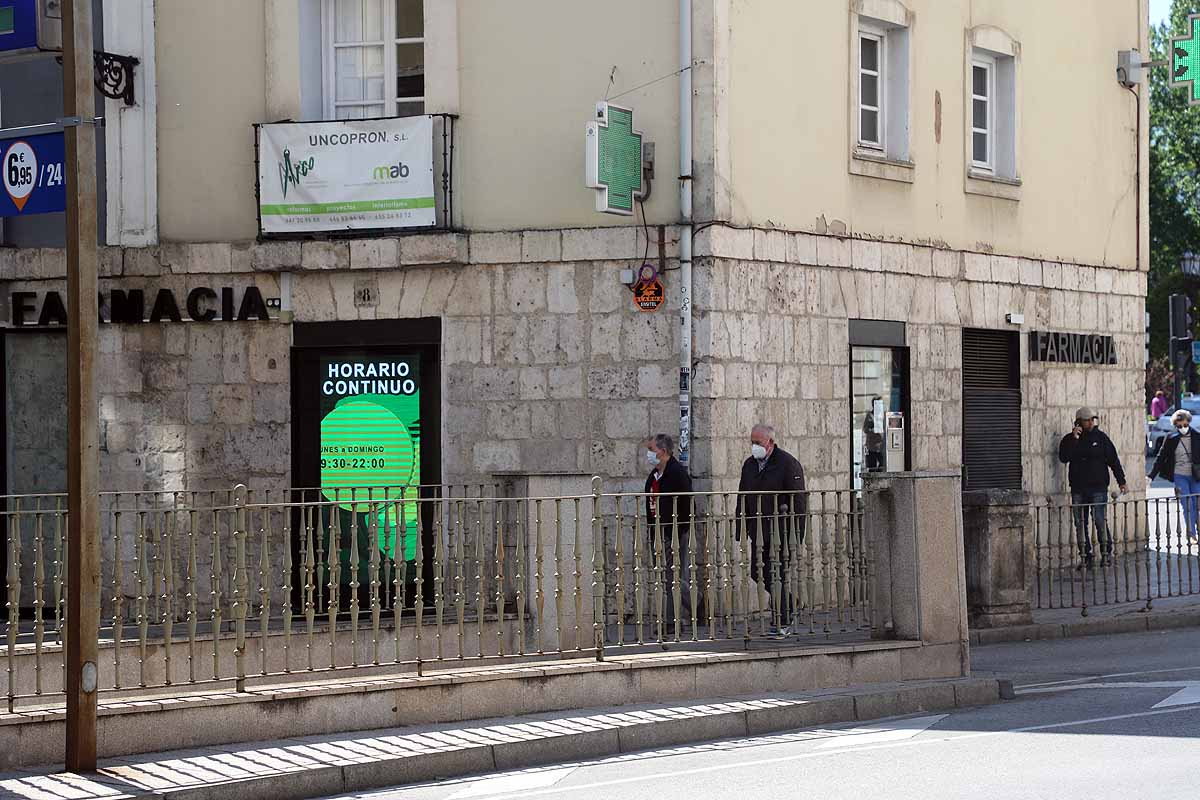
[(614, 160), (1185, 60), (32, 173), (1196, 352)]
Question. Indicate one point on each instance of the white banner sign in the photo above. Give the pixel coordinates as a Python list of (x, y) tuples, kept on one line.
[(351, 175)]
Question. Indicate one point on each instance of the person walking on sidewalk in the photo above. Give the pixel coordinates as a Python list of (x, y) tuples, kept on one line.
[(1090, 454), (1179, 462), (772, 502), (1158, 406), (669, 511)]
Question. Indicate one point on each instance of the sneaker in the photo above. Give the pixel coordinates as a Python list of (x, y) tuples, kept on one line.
[(776, 632)]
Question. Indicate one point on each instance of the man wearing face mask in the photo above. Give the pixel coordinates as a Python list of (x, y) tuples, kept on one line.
[(1090, 454), (669, 509), (772, 502)]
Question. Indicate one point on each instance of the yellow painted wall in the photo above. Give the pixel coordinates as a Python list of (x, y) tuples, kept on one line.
[(532, 72), (790, 138), (211, 89)]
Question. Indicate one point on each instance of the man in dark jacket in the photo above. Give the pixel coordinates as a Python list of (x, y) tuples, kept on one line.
[(772, 503), (1090, 454), (669, 510)]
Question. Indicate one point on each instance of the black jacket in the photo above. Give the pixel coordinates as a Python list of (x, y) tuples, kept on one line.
[(1165, 463), (1090, 458), (675, 480), (783, 475)]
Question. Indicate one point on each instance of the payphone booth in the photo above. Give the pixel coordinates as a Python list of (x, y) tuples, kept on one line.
[(895, 450)]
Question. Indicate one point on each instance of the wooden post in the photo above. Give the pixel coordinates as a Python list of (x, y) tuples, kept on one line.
[(83, 498)]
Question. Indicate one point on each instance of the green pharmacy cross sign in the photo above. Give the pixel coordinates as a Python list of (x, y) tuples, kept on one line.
[(1185, 60), (614, 159)]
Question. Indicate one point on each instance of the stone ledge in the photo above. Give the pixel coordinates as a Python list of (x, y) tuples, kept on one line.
[(621, 242), (1148, 621), (205, 719), (302, 767)]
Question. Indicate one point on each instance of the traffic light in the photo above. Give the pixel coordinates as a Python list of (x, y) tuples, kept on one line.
[(1182, 328), (1182, 324)]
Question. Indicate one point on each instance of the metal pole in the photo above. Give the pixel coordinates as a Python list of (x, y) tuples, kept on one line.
[(83, 539), (686, 231)]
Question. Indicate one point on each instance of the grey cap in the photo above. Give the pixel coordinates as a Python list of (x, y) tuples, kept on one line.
[(1085, 413)]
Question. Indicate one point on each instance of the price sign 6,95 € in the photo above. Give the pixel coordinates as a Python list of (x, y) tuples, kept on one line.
[(33, 175)]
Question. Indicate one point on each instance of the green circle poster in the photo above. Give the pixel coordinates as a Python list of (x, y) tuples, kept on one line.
[(370, 446)]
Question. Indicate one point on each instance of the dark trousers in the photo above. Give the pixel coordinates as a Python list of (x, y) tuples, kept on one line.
[(672, 570), (778, 565), (1091, 506)]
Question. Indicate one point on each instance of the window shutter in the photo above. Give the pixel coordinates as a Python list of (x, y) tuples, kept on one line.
[(991, 409)]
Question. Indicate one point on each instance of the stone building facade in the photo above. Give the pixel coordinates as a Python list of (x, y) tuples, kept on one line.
[(839, 266), (547, 366)]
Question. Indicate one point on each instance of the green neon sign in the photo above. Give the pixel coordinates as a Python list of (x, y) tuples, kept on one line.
[(614, 159), (1185, 60)]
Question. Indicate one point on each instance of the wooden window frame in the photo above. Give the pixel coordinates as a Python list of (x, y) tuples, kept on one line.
[(391, 103)]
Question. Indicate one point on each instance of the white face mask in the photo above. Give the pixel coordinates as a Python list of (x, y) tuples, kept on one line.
[(758, 451), (652, 458)]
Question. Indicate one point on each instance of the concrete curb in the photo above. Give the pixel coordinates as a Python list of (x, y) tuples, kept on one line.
[(1132, 623), (380, 760)]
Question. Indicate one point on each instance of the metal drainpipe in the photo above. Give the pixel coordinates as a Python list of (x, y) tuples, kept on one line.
[(686, 230)]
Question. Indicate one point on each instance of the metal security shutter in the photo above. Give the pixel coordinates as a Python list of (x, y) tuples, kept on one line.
[(991, 409)]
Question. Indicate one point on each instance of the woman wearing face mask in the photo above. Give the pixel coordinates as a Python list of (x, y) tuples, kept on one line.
[(1179, 461)]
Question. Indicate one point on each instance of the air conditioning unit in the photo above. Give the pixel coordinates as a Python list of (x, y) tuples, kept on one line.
[(27, 26)]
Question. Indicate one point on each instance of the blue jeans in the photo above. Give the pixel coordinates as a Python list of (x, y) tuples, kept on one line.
[(1093, 505), (1188, 487)]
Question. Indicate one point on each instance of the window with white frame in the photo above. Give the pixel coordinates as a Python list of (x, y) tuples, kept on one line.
[(983, 92), (871, 90), (374, 58), (881, 90), (992, 119)]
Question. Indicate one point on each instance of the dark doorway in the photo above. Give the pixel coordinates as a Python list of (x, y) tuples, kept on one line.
[(991, 409)]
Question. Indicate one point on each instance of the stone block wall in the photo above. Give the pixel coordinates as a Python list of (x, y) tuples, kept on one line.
[(547, 366), (773, 345)]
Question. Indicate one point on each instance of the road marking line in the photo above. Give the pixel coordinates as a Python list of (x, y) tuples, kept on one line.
[(520, 782), (823, 754), (1127, 685), (886, 732), (1114, 674), (1188, 696)]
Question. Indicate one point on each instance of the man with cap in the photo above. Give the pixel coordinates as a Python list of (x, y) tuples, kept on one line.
[(1090, 454)]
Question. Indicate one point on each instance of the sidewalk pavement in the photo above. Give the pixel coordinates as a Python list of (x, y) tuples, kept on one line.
[(325, 765), (1060, 623)]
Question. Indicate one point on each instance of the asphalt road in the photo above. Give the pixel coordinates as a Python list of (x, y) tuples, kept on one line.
[(1096, 718)]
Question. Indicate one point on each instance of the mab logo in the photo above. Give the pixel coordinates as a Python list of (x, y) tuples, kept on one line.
[(388, 173)]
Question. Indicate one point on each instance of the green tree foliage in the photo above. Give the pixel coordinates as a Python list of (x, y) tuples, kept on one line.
[(1174, 180)]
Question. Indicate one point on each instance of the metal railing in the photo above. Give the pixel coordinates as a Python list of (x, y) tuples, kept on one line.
[(1121, 550), (238, 586)]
